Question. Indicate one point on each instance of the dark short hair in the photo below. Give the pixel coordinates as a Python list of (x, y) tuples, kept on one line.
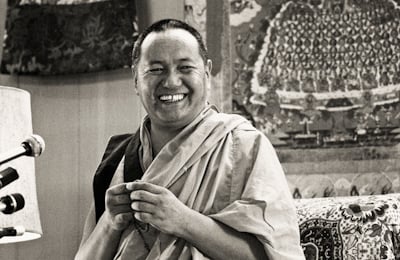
[(161, 26)]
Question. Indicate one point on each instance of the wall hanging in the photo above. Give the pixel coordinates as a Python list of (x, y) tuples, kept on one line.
[(68, 36)]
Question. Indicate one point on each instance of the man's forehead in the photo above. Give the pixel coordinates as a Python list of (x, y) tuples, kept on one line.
[(172, 35)]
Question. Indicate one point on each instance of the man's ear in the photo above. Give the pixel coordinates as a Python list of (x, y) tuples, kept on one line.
[(208, 73), (208, 67), (134, 78)]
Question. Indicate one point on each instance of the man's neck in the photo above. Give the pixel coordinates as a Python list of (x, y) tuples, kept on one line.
[(160, 137)]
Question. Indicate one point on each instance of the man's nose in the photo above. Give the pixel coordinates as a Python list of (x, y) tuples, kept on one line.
[(172, 80)]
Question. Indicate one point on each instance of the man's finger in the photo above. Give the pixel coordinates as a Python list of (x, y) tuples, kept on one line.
[(141, 185), (143, 217), (143, 195), (143, 207), (123, 217), (118, 189), (121, 209), (120, 199)]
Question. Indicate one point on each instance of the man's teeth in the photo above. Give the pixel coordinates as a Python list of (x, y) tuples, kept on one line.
[(172, 98)]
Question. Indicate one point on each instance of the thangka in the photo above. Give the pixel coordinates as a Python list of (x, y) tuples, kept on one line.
[(318, 73)]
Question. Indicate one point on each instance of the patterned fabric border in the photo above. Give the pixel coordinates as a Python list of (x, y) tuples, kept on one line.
[(352, 228)]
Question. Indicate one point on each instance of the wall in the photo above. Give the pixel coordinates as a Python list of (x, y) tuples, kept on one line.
[(75, 115)]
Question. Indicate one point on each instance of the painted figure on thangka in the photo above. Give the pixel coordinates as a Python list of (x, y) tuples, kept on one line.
[(318, 73)]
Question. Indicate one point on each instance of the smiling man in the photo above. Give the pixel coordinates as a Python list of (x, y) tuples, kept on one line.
[(172, 80), (192, 183)]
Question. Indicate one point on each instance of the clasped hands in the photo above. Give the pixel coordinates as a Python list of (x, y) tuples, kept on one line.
[(148, 203)]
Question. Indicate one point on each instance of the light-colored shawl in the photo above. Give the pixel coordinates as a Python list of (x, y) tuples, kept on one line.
[(192, 166)]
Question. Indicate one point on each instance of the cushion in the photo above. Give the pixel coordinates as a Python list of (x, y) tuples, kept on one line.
[(360, 227)]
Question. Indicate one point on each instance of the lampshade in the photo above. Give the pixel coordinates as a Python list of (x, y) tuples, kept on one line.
[(15, 126)]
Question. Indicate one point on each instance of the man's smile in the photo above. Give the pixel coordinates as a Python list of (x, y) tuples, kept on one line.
[(172, 98)]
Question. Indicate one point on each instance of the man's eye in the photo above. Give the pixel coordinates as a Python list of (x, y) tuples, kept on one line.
[(185, 68), (156, 70)]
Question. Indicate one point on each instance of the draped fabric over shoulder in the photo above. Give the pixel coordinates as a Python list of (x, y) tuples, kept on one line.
[(223, 167)]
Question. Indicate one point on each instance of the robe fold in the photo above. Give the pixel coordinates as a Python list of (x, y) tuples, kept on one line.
[(222, 167)]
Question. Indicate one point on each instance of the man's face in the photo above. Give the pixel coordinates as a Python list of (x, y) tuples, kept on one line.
[(172, 80)]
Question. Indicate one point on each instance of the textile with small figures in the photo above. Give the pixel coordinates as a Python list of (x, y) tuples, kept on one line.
[(351, 228), (65, 37), (321, 78), (318, 73)]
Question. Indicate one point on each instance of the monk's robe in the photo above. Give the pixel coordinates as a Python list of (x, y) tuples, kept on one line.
[(224, 168)]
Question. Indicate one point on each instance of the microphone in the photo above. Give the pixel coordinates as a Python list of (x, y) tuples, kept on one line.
[(7, 176), (11, 203), (33, 145), (12, 231)]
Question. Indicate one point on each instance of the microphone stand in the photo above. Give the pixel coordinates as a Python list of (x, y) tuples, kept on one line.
[(11, 155)]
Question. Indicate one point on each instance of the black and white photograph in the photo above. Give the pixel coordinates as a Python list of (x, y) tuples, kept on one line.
[(200, 129)]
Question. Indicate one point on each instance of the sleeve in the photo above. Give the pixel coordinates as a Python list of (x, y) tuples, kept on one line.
[(261, 203)]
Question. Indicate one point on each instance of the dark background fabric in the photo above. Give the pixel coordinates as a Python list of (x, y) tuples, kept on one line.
[(44, 39)]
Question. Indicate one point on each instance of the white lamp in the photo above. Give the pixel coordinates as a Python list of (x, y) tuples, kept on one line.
[(15, 126)]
